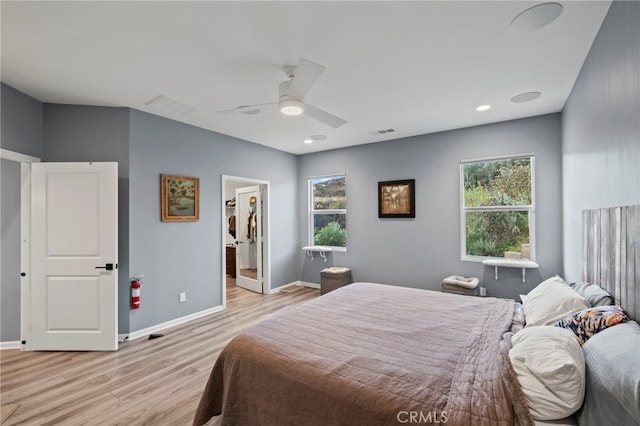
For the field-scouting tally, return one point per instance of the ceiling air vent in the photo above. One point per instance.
(382, 132)
(166, 105)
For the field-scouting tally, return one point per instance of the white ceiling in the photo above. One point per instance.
(416, 67)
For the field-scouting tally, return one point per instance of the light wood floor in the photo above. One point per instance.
(145, 382)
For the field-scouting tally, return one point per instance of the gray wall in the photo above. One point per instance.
(187, 257)
(84, 133)
(10, 260)
(21, 124)
(601, 129)
(175, 257)
(420, 252)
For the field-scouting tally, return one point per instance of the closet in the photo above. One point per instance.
(245, 233)
(242, 215)
(230, 247)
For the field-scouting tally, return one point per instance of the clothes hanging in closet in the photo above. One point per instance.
(232, 225)
(252, 226)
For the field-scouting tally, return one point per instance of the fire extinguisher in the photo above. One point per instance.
(135, 293)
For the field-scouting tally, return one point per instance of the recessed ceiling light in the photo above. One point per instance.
(308, 141)
(483, 108)
(525, 97)
(537, 17)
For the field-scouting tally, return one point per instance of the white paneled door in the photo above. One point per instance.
(74, 278)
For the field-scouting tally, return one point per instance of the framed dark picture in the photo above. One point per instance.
(180, 197)
(397, 199)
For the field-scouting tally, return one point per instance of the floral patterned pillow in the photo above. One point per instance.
(590, 321)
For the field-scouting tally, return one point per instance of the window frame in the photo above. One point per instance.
(528, 208)
(312, 212)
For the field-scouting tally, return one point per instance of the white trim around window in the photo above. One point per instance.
(312, 212)
(528, 208)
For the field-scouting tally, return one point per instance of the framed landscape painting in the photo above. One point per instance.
(396, 199)
(180, 198)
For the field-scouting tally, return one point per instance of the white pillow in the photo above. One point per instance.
(550, 367)
(551, 301)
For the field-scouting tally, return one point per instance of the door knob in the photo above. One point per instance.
(107, 266)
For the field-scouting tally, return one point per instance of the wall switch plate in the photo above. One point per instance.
(183, 297)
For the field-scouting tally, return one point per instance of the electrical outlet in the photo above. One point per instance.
(183, 297)
(483, 291)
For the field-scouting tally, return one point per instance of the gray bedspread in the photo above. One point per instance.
(371, 354)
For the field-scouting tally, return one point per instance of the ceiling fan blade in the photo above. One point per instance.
(305, 76)
(246, 109)
(323, 116)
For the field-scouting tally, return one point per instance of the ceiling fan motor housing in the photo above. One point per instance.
(289, 105)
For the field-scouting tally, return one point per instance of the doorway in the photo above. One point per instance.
(16, 293)
(51, 318)
(245, 235)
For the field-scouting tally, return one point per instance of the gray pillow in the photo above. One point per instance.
(612, 394)
(596, 295)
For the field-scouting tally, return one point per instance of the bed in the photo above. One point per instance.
(372, 354)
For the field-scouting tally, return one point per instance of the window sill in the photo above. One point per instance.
(511, 263)
(483, 259)
(317, 248)
(340, 249)
(322, 250)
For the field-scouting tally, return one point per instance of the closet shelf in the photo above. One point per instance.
(511, 263)
(320, 249)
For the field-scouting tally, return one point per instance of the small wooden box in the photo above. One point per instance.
(448, 288)
(334, 277)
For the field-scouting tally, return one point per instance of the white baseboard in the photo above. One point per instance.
(310, 285)
(162, 326)
(302, 283)
(10, 345)
(140, 333)
(277, 289)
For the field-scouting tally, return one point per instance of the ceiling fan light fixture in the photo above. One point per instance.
(291, 107)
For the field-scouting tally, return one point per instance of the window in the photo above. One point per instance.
(497, 214)
(328, 211)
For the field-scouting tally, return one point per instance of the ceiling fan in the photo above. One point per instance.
(292, 93)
